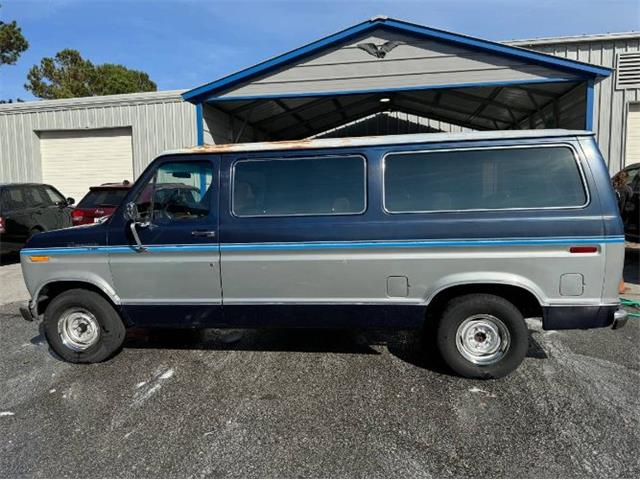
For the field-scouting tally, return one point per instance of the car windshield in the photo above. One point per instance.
(102, 198)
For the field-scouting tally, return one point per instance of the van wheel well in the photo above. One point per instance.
(521, 298)
(52, 290)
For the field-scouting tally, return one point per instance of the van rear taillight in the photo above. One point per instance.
(3, 228)
(585, 249)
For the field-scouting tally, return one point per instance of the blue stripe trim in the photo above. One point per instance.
(214, 99)
(329, 245)
(580, 68)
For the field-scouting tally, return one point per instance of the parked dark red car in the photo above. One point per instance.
(101, 201)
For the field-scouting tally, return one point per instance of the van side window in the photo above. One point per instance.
(500, 178)
(299, 186)
(177, 191)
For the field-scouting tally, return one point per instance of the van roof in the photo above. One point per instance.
(380, 140)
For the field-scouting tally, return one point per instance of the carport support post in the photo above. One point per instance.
(199, 125)
(588, 115)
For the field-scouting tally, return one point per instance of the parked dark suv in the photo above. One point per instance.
(27, 209)
(631, 211)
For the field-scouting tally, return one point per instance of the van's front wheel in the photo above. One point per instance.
(482, 336)
(82, 327)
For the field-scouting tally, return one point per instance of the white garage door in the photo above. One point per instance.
(74, 160)
(633, 135)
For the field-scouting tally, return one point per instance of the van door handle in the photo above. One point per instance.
(204, 233)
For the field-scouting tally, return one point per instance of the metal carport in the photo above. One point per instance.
(388, 66)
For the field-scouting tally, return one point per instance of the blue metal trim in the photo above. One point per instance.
(199, 125)
(391, 90)
(579, 68)
(588, 123)
(329, 245)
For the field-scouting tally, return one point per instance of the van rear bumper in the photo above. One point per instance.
(583, 317)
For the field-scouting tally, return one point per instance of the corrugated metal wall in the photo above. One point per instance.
(610, 104)
(219, 127)
(159, 121)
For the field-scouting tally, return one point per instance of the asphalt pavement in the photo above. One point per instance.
(285, 403)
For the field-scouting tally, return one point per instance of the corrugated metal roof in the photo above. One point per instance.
(83, 102)
(380, 140)
(595, 37)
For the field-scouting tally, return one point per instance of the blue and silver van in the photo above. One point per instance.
(466, 234)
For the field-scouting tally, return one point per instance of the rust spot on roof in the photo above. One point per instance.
(376, 140)
(230, 147)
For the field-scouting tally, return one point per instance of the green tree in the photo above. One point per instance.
(68, 75)
(12, 43)
(112, 79)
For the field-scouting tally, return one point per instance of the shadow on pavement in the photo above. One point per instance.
(408, 346)
(9, 259)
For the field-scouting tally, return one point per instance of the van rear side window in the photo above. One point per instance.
(483, 179)
(299, 186)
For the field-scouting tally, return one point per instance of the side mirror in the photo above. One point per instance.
(131, 212)
(70, 201)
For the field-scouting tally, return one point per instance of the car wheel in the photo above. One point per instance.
(81, 326)
(34, 231)
(482, 336)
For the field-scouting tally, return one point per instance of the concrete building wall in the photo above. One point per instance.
(158, 121)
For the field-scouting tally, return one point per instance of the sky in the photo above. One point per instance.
(185, 43)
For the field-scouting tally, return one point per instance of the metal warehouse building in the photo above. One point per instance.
(382, 76)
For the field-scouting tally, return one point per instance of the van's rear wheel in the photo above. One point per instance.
(482, 336)
(82, 327)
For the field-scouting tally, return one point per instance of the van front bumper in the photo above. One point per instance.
(583, 317)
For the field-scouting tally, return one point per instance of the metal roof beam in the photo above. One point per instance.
(485, 103)
(542, 93)
(342, 109)
(551, 103)
(444, 106)
(435, 116)
(476, 98)
(284, 135)
(338, 106)
(242, 119)
(298, 109)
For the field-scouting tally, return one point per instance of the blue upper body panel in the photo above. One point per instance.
(599, 218)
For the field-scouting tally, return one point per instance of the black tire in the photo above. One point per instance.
(462, 308)
(111, 329)
(34, 231)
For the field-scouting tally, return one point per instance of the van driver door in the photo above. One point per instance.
(174, 271)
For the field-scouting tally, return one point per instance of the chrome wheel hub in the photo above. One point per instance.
(483, 339)
(78, 329)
